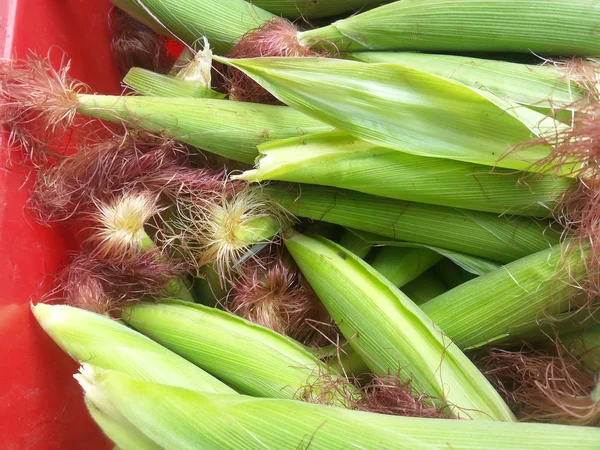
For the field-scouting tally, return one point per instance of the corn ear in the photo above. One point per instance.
(481, 234)
(557, 27)
(390, 105)
(511, 301)
(402, 265)
(223, 22)
(146, 82)
(249, 357)
(182, 419)
(120, 430)
(229, 129)
(339, 160)
(90, 337)
(390, 333)
(424, 288)
(546, 87)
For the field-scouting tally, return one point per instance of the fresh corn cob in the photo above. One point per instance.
(511, 301)
(90, 337)
(230, 129)
(253, 359)
(556, 27)
(223, 22)
(390, 105)
(339, 160)
(485, 235)
(181, 419)
(34, 89)
(390, 333)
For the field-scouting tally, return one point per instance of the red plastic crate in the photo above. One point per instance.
(41, 405)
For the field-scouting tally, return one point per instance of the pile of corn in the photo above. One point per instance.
(374, 232)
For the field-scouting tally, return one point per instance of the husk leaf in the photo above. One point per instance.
(390, 332)
(177, 418)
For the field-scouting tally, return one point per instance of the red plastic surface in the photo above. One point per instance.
(41, 405)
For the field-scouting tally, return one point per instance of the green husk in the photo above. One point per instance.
(390, 105)
(223, 22)
(512, 301)
(253, 359)
(181, 419)
(424, 288)
(585, 345)
(146, 82)
(390, 333)
(402, 265)
(90, 337)
(354, 243)
(177, 287)
(311, 9)
(229, 129)
(546, 87)
(481, 234)
(556, 27)
(120, 430)
(452, 274)
(210, 288)
(339, 160)
(346, 360)
(472, 264)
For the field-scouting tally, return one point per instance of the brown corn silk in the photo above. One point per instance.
(546, 387)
